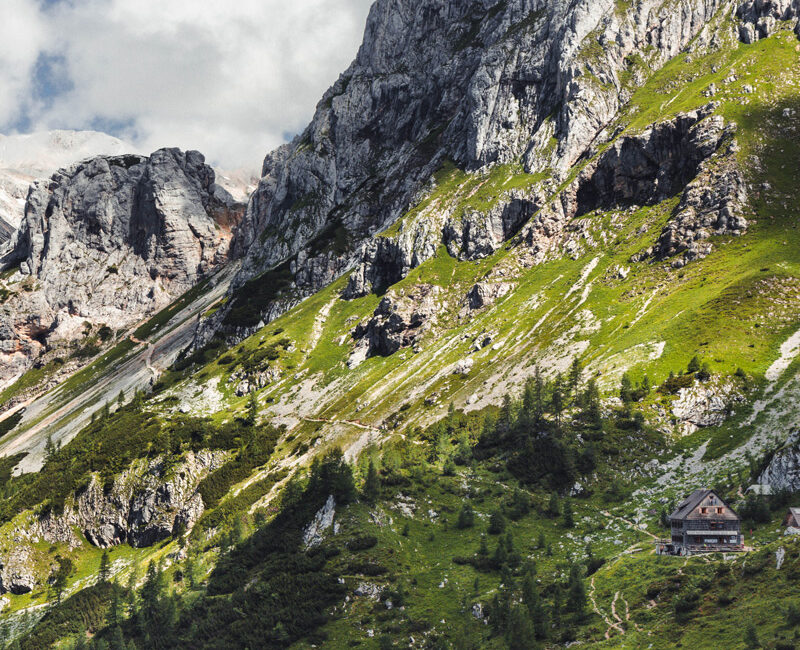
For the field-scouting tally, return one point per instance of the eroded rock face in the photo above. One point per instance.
(760, 17)
(107, 242)
(17, 575)
(477, 83)
(704, 405)
(398, 321)
(145, 505)
(694, 152)
(712, 204)
(783, 471)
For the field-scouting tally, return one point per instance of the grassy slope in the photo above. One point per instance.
(734, 308)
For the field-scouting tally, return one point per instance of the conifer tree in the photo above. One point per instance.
(372, 484)
(625, 389)
(105, 569)
(569, 521)
(554, 507)
(252, 410)
(576, 592)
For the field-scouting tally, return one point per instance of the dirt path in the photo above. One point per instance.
(352, 423)
(612, 625)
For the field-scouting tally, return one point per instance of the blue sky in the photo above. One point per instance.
(232, 79)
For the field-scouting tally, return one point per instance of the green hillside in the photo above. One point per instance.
(512, 503)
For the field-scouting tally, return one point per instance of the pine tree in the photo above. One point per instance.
(694, 365)
(576, 592)
(591, 405)
(466, 517)
(115, 609)
(372, 484)
(105, 570)
(189, 571)
(554, 507)
(558, 604)
(533, 601)
(117, 640)
(575, 376)
(497, 523)
(121, 398)
(625, 389)
(569, 522)
(751, 636)
(557, 400)
(542, 542)
(519, 629)
(49, 448)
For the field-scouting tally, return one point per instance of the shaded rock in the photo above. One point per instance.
(783, 470)
(484, 294)
(636, 170)
(712, 204)
(398, 321)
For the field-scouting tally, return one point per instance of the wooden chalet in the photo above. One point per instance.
(703, 523)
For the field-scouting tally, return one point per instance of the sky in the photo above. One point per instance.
(231, 78)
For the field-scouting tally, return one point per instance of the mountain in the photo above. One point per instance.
(24, 158)
(529, 278)
(104, 243)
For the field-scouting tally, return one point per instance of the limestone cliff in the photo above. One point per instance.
(480, 83)
(107, 242)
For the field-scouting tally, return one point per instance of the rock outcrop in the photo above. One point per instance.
(476, 83)
(712, 204)
(145, 505)
(107, 242)
(399, 321)
(693, 153)
(323, 520)
(783, 470)
(704, 404)
(484, 294)
(760, 17)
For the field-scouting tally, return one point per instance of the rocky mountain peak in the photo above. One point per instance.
(108, 241)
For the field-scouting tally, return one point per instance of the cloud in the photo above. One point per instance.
(23, 35)
(229, 79)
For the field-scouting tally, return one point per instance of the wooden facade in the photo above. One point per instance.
(703, 523)
(792, 518)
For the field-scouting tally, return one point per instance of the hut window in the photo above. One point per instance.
(720, 511)
(703, 511)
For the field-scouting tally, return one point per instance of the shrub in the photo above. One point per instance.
(362, 543)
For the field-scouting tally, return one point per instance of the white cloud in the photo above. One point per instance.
(23, 34)
(227, 78)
